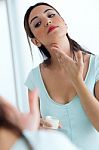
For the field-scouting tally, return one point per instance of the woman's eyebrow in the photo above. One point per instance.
(37, 16)
(47, 10)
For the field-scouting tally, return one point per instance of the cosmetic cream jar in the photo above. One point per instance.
(53, 121)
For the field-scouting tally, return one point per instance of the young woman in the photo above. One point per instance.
(18, 131)
(68, 79)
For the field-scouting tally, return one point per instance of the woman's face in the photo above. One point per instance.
(46, 24)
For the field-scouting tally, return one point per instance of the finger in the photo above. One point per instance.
(79, 57)
(63, 57)
(33, 101)
(54, 45)
(60, 125)
(45, 123)
(54, 50)
(41, 121)
(57, 52)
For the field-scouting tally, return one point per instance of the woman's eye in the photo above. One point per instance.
(51, 15)
(37, 24)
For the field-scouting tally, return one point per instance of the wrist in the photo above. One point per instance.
(77, 82)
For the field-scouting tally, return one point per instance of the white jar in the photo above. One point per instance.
(53, 121)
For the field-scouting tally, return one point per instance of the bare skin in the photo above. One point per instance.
(54, 82)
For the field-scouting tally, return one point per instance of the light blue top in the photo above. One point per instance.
(44, 140)
(75, 123)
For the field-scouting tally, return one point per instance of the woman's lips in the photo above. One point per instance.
(51, 28)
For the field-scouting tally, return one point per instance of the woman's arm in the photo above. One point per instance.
(89, 102)
(44, 124)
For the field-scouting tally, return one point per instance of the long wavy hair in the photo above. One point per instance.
(74, 46)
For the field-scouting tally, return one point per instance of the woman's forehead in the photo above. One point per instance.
(39, 10)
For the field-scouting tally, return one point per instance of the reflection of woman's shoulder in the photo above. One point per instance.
(49, 140)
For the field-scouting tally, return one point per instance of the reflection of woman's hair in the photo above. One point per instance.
(7, 124)
(74, 46)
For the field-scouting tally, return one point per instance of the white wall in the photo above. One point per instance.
(7, 86)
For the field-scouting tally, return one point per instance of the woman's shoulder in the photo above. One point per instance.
(91, 59)
(35, 69)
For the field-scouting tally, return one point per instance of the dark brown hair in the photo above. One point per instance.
(74, 46)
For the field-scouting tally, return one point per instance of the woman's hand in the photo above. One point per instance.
(45, 124)
(29, 120)
(72, 68)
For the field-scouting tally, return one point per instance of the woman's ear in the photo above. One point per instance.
(36, 42)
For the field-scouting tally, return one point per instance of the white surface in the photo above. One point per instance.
(7, 86)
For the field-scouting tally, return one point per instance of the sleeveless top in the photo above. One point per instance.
(75, 123)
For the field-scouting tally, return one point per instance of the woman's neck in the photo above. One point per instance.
(64, 46)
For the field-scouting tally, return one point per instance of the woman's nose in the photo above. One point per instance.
(48, 22)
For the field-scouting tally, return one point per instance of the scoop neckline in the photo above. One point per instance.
(75, 97)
